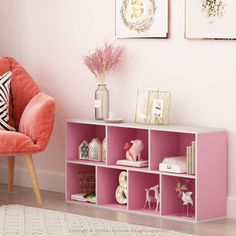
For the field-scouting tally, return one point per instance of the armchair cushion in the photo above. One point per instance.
(37, 120)
(15, 143)
(4, 101)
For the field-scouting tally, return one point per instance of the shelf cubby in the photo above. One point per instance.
(77, 133)
(164, 144)
(107, 182)
(73, 184)
(137, 182)
(172, 205)
(118, 136)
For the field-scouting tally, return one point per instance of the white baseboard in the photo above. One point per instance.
(47, 181)
(231, 207)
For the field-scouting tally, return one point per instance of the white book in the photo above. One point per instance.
(189, 158)
(125, 162)
(79, 197)
(193, 158)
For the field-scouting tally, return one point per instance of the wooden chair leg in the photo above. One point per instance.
(10, 164)
(31, 170)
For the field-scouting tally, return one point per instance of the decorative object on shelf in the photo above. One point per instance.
(149, 201)
(190, 159)
(84, 150)
(95, 150)
(101, 102)
(142, 18)
(121, 190)
(133, 154)
(176, 164)
(101, 62)
(87, 182)
(181, 186)
(134, 150)
(156, 196)
(152, 107)
(186, 198)
(152, 201)
(104, 149)
(210, 19)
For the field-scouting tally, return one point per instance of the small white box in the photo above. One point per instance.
(172, 168)
(175, 164)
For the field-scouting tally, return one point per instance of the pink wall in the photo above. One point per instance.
(49, 38)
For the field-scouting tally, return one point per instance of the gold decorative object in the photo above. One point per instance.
(87, 182)
(152, 107)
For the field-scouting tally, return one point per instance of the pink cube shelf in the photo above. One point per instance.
(77, 133)
(209, 184)
(137, 183)
(164, 144)
(172, 205)
(73, 184)
(117, 137)
(107, 182)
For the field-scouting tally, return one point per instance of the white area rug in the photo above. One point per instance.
(28, 221)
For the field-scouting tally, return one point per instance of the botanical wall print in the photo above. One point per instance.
(210, 19)
(142, 18)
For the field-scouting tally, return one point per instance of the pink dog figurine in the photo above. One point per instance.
(134, 149)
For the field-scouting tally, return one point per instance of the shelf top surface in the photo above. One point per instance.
(170, 128)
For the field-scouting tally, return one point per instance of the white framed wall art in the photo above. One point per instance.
(210, 19)
(142, 18)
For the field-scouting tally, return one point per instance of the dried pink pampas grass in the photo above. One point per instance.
(103, 60)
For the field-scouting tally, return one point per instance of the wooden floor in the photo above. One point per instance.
(56, 201)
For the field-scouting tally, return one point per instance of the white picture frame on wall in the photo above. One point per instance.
(207, 19)
(142, 19)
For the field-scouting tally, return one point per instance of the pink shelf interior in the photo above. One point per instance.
(118, 136)
(107, 182)
(171, 204)
(73, 184)
(116, 206)
(164, 144)
(137, 182)
(76, 133)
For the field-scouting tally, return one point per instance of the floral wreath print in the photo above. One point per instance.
(138, 15)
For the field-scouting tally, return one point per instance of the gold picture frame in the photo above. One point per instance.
(152, 107)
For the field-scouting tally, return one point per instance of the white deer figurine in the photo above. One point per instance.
(149, 199)
(156, 195)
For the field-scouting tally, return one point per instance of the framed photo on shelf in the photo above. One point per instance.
(152, 107)
(142, 18)
(210, 19)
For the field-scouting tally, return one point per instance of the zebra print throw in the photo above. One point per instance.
(4, 101)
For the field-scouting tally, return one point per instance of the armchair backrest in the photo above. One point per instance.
(23, 89)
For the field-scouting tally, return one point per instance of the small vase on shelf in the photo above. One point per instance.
(101, 102)
(101, 63)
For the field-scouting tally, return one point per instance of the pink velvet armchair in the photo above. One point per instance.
(31, 113)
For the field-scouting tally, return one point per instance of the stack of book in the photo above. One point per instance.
(190, 154)
(83, 197)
